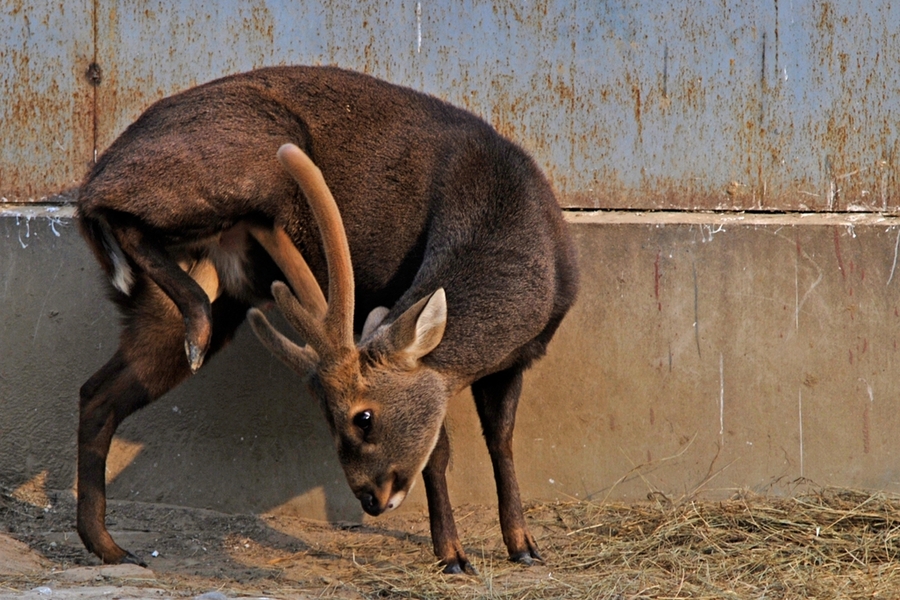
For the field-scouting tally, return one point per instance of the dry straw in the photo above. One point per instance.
(831, 543)
(826, 543)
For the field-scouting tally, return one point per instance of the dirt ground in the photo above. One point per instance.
(190, 552)
(816, 543)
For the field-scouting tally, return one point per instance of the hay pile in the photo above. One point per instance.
(825, 544)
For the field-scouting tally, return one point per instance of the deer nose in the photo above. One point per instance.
(370, 504)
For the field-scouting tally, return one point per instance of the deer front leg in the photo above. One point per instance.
(496, 399)
(447, 546)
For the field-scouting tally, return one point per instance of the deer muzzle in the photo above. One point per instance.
(384, 499)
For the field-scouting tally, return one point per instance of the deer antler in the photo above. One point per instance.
(285, 254)
(328, 334)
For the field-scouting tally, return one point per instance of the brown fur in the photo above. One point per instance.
(431, 197)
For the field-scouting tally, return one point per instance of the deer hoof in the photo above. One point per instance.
(131, 559)
(195, 356)
(453, 569)
(527, 558)
(459, 567)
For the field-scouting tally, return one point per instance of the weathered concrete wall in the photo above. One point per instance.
(706, 352)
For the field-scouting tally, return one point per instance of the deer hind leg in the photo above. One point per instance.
(148, 363)
(496, 399)
(106, 398)
(447, 546)
(188, 295)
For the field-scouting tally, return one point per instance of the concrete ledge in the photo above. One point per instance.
(630, 217)
(706, 353)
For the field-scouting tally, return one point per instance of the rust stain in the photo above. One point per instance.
(867, 445)
(43, 113)
(656, 278)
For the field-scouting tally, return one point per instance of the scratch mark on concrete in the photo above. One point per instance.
(837, 251)
(806, 295)
(797, 287)
(44, 303)
(867, 438)
(800, 301)
(696, 309)
(894, 266)
(722, 399)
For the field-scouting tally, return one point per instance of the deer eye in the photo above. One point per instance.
(363, 421)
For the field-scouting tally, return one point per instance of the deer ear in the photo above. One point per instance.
(373, 321)
(419, 330)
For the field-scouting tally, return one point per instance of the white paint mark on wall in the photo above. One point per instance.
(27, 230)
(696, 309)
(54, 221)
(55, 216)
(418, 27)
(796, 293)
(707, 232)
(869, 390)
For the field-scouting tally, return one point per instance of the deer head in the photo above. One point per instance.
(383, 404)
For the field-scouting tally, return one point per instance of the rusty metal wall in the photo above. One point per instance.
(654, 105)
(46, 110)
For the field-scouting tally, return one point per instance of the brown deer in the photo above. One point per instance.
(450, 225)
